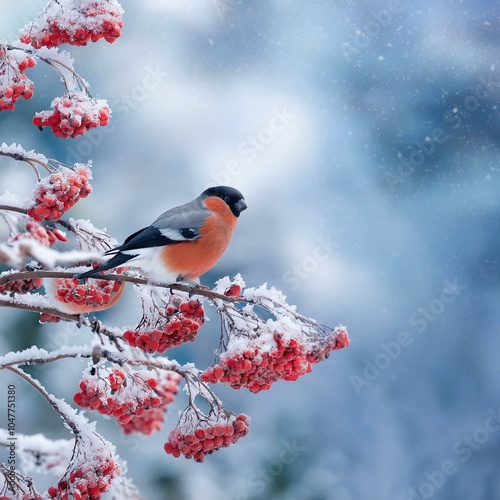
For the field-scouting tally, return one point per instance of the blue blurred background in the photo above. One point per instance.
(365, 137)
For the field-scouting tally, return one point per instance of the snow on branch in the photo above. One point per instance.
(15, 254)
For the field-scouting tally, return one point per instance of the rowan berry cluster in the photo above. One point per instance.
(169, 326)
(256, 363)
(321, 349)
(197, 435)
(47, 236)
(76, 22)
(14, 84)
(91, 295)
(152, 420)
(119, 394)
(73, 114)
(21, 286)
(60, 191)
(88, 477)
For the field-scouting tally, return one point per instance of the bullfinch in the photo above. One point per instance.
(184, 242)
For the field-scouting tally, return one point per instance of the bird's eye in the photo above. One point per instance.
(227, 199)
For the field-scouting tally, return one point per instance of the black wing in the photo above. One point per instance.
(148, 237)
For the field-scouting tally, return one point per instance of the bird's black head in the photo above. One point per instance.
(231, 196)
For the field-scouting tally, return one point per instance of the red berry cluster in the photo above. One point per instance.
(48, 318)
(194, 437)
(118, 394)
(88, 478)
(21, 286)
(73, 114)
(76, 22)
(60, 191)
(320, 350)
(93, 293)
(13, 82)
(152, 420)
(171, 326)
(44, 235)
(259, 362)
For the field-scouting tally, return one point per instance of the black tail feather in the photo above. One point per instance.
(115, 261)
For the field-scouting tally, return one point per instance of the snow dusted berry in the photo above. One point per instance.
(320, 350)
(73, 114)
(168, 326)
(152, 420)
(60, 191)
(13, 82)
(197, 435)
(119, 394)
(76, 22)
(279, 351)
(89, 475)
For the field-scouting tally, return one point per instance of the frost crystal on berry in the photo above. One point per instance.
(14, 84)
(73, 114)
(128, 394)
(60, 191)
(90, 473)
(197, 435)
(76, 22)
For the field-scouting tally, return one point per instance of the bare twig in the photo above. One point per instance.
(10, 208)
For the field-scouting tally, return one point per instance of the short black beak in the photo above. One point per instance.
(240, 205)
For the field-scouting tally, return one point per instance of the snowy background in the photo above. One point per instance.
(365, 137)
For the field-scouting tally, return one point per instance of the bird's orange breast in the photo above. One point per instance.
(191, 259)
